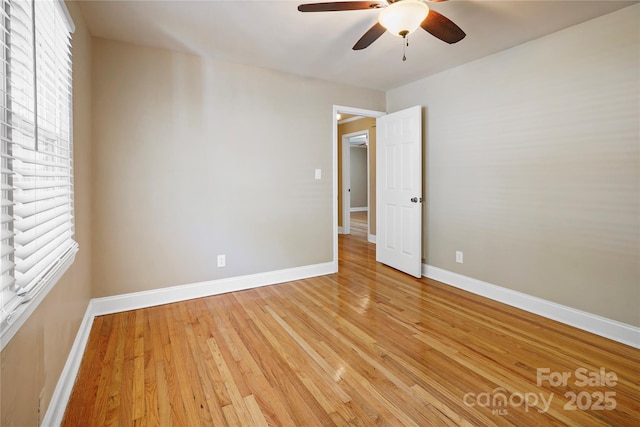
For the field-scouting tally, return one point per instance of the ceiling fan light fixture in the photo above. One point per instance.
(403, 17)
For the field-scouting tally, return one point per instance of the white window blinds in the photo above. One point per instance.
(37, 179)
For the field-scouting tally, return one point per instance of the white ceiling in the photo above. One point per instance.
(273, 34)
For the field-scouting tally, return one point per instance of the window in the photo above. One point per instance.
(37, 158)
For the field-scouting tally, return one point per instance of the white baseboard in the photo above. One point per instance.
(360, 209)
(136, 300)
(372, 238)
(340, 230)
(64, 387)
(608, 328)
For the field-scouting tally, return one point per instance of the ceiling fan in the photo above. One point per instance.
(399, 17)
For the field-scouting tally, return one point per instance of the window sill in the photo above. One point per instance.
(23, 313)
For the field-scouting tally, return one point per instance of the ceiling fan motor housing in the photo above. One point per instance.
(403, 17)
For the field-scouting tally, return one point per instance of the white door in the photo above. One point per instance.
(399, 190)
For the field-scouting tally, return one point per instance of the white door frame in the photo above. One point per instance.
(339, 109)
(346, 179)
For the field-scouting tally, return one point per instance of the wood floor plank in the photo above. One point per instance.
(128, 378)
(94, 354)
(285, 349)
(249, 365)
(139, 368)
(105, 367)
(366, 346)
(115, 390)
(237, 401)
(204, 361)
(159, 405)
(188, 382)
(257, 417)
(150, 395)
(178, 412)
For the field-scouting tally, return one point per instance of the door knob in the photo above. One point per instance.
(416, 200)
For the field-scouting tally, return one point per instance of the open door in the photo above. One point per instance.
(399, 190)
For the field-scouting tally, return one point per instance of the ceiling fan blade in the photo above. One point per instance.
(339, 6)
(370, 36)
(442, 27)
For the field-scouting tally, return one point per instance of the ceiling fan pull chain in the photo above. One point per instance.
(405, 43)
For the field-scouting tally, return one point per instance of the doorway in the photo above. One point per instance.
(338, 208)
(355, 177)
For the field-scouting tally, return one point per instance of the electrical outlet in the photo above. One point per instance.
(459, 257)
(222, 261)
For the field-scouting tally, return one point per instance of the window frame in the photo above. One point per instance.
(57, 267)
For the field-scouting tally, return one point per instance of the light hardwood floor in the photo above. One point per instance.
(365, 346)
(359, 225)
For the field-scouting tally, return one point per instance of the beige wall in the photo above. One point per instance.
(358, 160)
(195, 158)
(32, 361)
(367, 123)
(533, 166)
